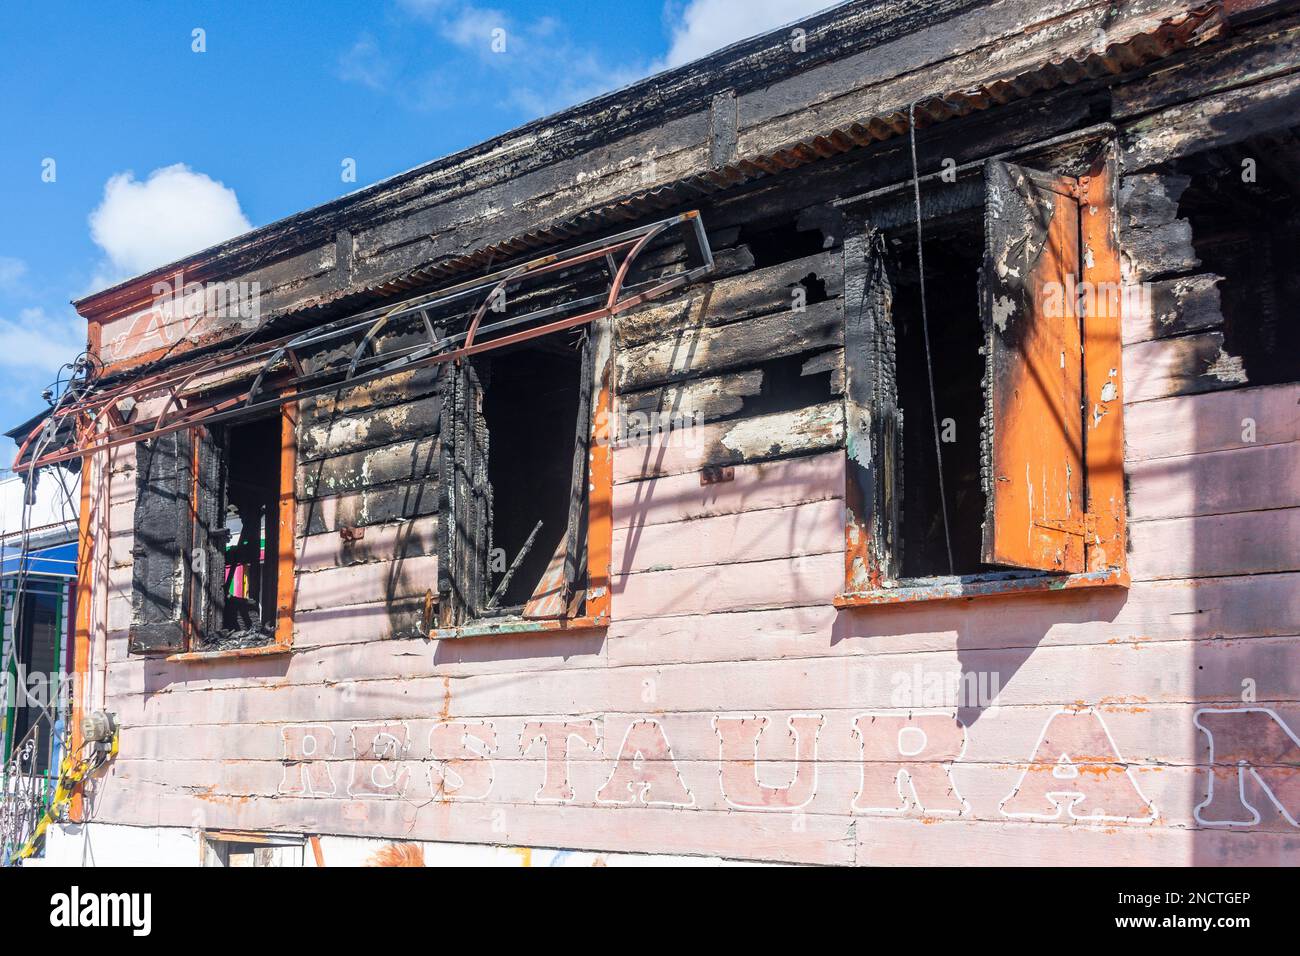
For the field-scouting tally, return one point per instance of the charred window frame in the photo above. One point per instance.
(526, 484)
(1235, 272)
(213, 538)
(1024, 295)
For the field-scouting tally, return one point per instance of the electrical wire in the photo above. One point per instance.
(81, 375)
(925, 331)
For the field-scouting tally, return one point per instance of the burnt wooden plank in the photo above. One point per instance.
(754, 293)
(1162, 251)
(1174, 307)
(699, 400)
(369, 429)
(873, 422)
(1154, 240)
(399, 387)
(1249, 55)
(1184, 365)
(413, 460)
(735, 345)
(831, 361)
(464, 497)
(1149, 200)
(396, 502)
(1212, 121)
(758, 438)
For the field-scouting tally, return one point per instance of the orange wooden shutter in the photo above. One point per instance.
(1033, 442)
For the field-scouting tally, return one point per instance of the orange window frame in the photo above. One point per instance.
(286, 517)
(597, 607)
(1105, 550)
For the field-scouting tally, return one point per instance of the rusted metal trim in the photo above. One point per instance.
(87, 415)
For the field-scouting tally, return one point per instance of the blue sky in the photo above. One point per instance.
(122, 148)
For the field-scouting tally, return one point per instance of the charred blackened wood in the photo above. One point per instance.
(210, 536)
(1177, 306)
(873, 421)
(400, 501)
(811, 328)
(696, 400)
(411, 460)
(464, 498)
(758, 438)
(370, 429)
(575, 528)
(802, 281)
(162, 532)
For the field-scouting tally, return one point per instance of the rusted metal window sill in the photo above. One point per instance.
(954, 589)
(233, 652)
(517, 625)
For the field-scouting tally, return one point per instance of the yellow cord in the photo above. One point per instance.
(71, 776)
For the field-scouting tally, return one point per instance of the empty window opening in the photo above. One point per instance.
(1242, 204)
(774, 244)
(531, 398)
(814, 288)
(244, 541)
(952, 264)
(786, 387)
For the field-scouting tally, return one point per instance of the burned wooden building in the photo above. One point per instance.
(873, 443)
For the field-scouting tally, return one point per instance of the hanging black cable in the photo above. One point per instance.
(925, 331)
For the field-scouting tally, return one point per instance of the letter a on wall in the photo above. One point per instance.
(1076, 772)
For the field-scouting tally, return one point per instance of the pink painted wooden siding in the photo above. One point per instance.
(725, 645)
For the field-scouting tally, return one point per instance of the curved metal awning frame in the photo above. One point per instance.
(103, 421)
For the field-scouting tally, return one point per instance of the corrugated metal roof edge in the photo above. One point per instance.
(1169, 36)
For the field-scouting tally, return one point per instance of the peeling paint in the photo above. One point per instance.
(1228, 368)
(1003, 310)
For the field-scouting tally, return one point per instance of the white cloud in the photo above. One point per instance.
(39, 343)
(708, 25)
(542, 69)
(11, 270)
(365, 64)
(173, 213)
(470, 27)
